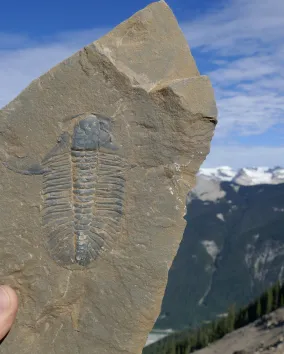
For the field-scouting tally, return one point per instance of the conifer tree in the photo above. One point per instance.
(246, 317)
(269, 301)
(221, 328)
(171, 346)
(231, 319)
(193, 340)
(258, 309)
(276, 295)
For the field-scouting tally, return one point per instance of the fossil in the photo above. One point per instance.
(82, 193)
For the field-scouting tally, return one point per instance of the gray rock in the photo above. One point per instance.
(97, 157)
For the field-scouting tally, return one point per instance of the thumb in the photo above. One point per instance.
(8, 309)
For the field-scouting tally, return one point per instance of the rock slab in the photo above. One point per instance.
(97, 157)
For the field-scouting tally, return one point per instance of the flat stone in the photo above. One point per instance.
(97, 157)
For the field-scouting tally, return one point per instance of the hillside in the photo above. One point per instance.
(264, 336)
(233, 245)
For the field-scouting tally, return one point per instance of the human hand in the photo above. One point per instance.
(8, 309)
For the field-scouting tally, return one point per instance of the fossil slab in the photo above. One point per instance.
(97, 157)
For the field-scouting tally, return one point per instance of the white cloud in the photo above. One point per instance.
(238, 156)
(249, 114)
(245, 39)
(244, 24)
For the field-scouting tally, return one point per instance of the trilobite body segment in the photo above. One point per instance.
(83, 193)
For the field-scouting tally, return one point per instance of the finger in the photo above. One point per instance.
(8, 309)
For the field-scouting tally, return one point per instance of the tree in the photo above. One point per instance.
(258, 309)
(276, 296)
(212, 329)
(231, 318)
(193, 341)
(202, 338)
(171, 348)
(221, 328)
(269, 301)
(246, 316)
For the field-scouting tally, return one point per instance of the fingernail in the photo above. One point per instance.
(4, 300)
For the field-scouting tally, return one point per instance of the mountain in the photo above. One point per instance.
(263, 336)
(245, 176)
(233, 245)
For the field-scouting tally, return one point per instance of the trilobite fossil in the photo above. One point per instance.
(82, 193)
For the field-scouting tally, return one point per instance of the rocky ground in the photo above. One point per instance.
(265, 336)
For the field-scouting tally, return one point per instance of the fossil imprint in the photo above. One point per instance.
(83, 192)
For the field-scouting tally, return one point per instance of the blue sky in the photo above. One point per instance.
(238, 43)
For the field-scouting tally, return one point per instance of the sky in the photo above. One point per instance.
(237, 43)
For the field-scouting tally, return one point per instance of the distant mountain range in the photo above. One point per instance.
(245, 176)
(233, 245)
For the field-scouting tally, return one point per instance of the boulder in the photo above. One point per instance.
(97, 157)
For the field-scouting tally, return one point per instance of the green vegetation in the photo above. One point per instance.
(188, 341)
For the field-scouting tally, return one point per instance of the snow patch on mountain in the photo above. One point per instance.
(206, 189)
(224, 173)
(211, 248)
(156, 335)
(244, 176)
(220, 216)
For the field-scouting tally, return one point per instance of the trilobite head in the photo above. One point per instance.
(86, 134)
(106, 139)
(93, 132)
